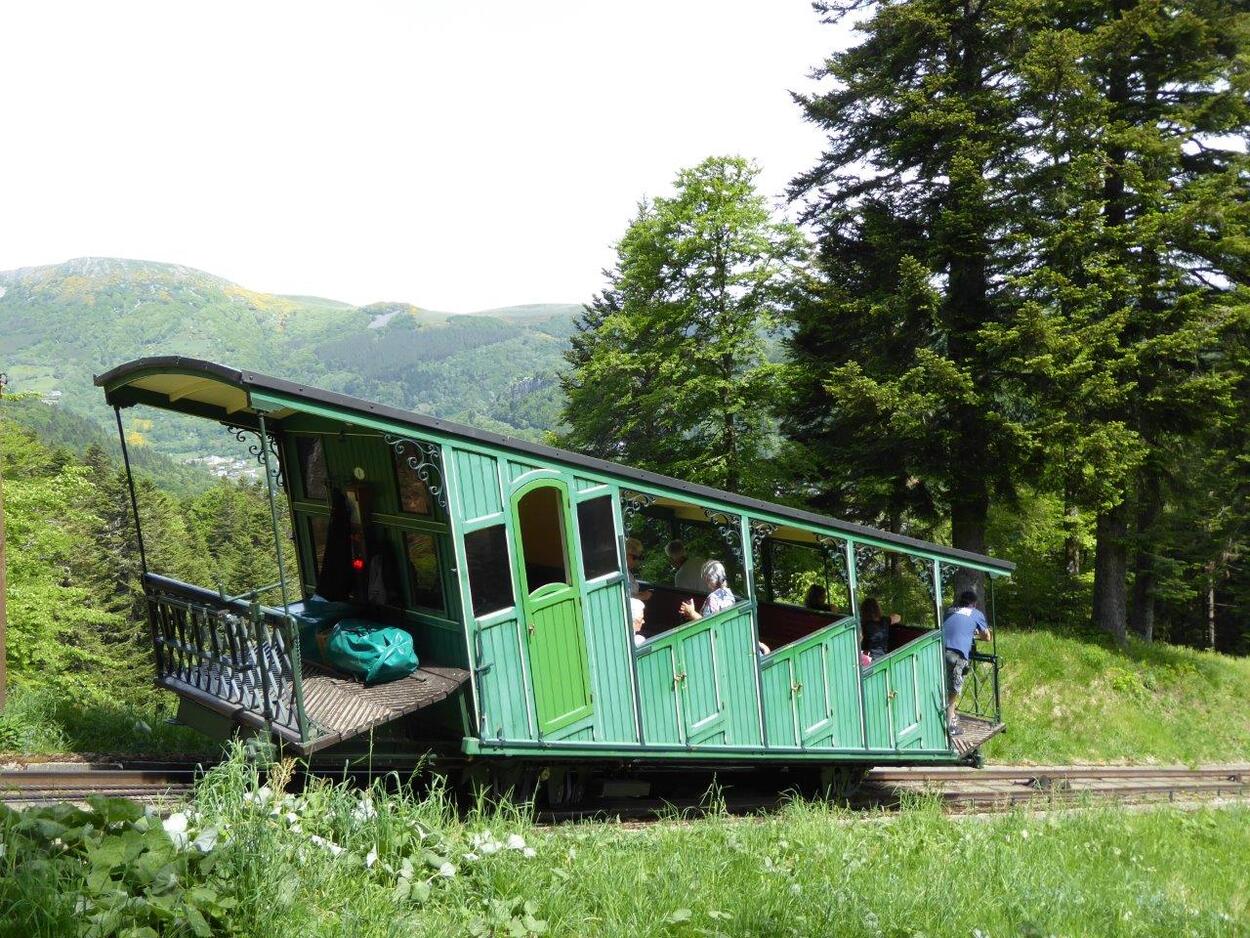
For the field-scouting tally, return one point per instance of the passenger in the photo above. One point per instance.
(633, 556)
(719, 597)
(965, 623)
(817, 598)
(639, 611)
(876, 628)
(687, 570)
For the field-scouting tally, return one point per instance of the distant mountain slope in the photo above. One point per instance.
(61, 324)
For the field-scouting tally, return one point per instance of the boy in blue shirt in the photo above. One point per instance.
(965, 623)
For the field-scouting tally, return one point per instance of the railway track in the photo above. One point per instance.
(960, 789)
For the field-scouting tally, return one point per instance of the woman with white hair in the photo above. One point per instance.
(638, 611)
(719, 597)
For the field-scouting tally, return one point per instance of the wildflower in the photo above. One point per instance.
(1024, 834)
(176, 827)
(447, 870)
(206, 841)
(371, 858)
(364, 811)
(292, 817)
(795, 889)
(529, 853)
(515, 842)
(470, 857)
(334, 848)
(485, 843)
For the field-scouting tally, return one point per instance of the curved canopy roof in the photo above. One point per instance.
(230, 395)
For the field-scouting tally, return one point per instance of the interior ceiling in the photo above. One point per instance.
(201, 390)
(688, 512)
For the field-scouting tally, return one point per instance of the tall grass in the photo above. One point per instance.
(338, 862)
(1080, 698)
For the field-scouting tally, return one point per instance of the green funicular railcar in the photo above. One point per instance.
(507, 562)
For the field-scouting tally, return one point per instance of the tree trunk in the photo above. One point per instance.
(1071, 527)
(1211, 609)
(1111, 572)
(1143, 614)
(970, 506)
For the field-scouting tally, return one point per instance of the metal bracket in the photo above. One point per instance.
(257, 449)
(631, 504)
(728, 526)
(427, 463)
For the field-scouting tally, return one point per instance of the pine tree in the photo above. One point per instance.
(671, 368)
(896, 393)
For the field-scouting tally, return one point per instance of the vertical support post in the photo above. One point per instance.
(291, 638)
(748, 572)
(262, 662)
(998, 713)
(130, 483)
(937, 592)
(937, 611)
(852, 579)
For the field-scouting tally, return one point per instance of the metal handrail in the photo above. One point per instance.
(196, 630)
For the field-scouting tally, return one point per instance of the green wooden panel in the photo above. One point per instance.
(502, 693)
(611, 656)
(929, 679)
(878, 729)
(737, 658)
(702, 703)
(581, 484)
(814, 706)
(558, 662)
(477, 485)
(844, 676)
(904, 711)
(516, 469)
(658, 695)
(777, 679)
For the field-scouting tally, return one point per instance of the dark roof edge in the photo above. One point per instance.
(260, 382)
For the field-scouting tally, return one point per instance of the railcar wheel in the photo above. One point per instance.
(837, 783)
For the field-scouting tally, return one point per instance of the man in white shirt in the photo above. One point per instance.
(687, 571)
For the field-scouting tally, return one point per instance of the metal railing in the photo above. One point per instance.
(231, 654)
(982, 686)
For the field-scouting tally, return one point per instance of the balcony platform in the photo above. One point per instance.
(977, 731)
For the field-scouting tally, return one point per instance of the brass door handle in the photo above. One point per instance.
(679, 677)
(531, 628)
(891, 695)
(796, 687)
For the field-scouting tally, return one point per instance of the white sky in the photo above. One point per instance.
(459, 154)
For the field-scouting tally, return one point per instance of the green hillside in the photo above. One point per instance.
(63, 323)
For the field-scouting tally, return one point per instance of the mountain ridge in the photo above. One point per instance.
(60, 324)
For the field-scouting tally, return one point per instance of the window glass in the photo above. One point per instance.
(421, 552)
(318, 528)
(490, 577)
(312, 467)
(598, 537)
(414, 494)
(542, 537)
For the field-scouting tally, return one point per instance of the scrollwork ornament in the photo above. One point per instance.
(728, 526)
(760, 531)
(631, 504)
(426, 461)
(834, 549)
(256, 448)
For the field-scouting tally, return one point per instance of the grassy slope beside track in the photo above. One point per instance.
(335, 861)
(1080, 699)
(1065, 699)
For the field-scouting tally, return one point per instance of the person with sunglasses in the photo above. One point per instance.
(633, 557)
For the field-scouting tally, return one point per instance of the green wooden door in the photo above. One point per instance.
(702, 702)
(812, 699)
(904, 703)
(551, 604)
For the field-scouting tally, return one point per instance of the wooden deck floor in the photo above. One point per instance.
(341, 708)
(976, 732)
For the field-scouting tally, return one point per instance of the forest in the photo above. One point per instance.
(1014, 315)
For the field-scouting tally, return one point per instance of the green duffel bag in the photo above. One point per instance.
(372, 652)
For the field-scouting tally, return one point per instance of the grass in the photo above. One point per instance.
(1066, 699)
(1081, 699)
(338, 862)
(40, 721)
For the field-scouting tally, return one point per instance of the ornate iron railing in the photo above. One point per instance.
(229, 654)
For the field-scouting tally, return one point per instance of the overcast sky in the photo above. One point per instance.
(457, 155)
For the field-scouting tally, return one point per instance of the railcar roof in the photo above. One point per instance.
(219, 392)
